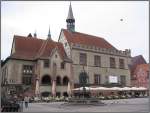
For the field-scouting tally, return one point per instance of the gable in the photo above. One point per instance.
(62, 39)
(34, 48)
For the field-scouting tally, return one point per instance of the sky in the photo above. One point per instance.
(124, 24)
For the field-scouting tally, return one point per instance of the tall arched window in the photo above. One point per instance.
(58, 80)
(65, 80)
(46, 80)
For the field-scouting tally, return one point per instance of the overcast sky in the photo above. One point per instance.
(125, 24)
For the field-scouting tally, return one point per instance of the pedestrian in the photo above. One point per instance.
(26, 100)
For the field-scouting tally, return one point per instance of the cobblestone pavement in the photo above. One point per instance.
(122, 105)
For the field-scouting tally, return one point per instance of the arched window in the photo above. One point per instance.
(58, 80)
(46, 80)
(65, 80)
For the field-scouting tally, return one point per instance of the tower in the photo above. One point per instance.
(49, 34)
(35, 35)
(70, 20)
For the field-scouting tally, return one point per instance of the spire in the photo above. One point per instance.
(70, 20)
(35, 35)
(70, 13)
(49, 34)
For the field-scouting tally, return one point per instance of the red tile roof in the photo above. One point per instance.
(29, 48)
(85, 39)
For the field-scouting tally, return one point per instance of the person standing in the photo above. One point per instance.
(26, 100)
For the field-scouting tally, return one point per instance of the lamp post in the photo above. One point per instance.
(84, 80)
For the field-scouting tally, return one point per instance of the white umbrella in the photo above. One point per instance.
(69, 89)
(81, 88)
(37, 88)
(54, 88)
(102, 88)
(134, 88)
(116, 88)
(142, 88)
(126, 89)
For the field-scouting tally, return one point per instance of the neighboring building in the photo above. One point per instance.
(141, 76)
(53, 66)
(135, 61)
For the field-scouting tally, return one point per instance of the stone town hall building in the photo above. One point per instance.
(50, 67)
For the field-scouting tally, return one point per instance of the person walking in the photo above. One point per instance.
(26, 100)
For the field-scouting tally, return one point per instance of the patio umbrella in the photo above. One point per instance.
(134, 88)
(142, 88)
(126, 89)
(81, 88)
(69, 89)
(54, 88)
(115, 88)
(37, 88)
(102, 89)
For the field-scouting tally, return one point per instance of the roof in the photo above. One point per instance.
(29, 48)
(135, 61)
(85, 39)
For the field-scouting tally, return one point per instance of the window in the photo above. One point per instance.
(27, 80)
(97, 79)
(112, 62)
(46, 63)
(63, 65)
(123, 80)
(97, 60)
(121, 63)
(27, 69)
(83, 59)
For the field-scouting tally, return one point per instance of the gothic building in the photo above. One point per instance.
(45, 67)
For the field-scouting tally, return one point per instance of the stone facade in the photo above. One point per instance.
(74, 50)
(34, 60)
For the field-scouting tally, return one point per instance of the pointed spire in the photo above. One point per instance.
(49, 33)
(70, 20)
(70, 13)
(35, 35)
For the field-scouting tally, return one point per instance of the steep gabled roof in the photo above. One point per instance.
(85, 39)
(33, 48)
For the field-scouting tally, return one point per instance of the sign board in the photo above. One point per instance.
(113, 79)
